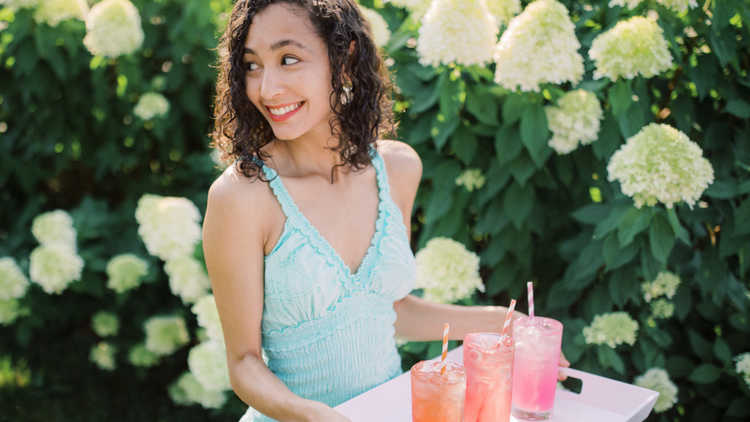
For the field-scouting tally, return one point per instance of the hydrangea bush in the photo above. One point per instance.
(648, 271)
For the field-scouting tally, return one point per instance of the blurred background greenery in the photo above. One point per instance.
(71, 140)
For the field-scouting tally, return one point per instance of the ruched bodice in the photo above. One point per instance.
(328, 333)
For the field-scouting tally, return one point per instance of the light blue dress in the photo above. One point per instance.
(328, 333)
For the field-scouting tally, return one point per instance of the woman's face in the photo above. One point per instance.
(288, 75)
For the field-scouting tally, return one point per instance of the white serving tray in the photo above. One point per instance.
(601, 400)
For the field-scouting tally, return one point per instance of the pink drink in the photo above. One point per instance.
(488, 359)
(535, 367)
(436, 397)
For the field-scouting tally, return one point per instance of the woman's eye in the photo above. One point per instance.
(251, 66)
(288, 60)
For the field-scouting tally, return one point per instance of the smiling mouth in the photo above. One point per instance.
(280, 111)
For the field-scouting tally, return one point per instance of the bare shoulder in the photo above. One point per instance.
(236, 196)
(401, 160)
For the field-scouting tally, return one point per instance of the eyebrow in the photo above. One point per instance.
(278, 45)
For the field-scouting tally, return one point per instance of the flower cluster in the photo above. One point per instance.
(150, 105)
(417, 8)
(679, 6)
(187, 390)
(9, 311)
(165, 334)
(575, 118)
(657, 379)
(457, 31)
(447, 271)
(662, 309)
(634, 46)
(103, 355)
(471, 179)
(13, 283)
(504, 10)
(54, 267)
(125, 272)
(208, 362)
(539, 46)
(105, 324)
(140, 356)
(54, 227)
(113, 28)
(208, 317)
(380, 30)
(743, 366)
(630, 4)
(665, 284)
(168, 226)
(20, 4)
(52, 12)
(612, 328)
(661, 164)
(187, 278)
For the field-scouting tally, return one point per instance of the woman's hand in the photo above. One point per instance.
(319, 412)
(564, 363)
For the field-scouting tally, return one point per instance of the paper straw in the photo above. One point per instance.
(530, 286)
(446, 328)
(509, 316)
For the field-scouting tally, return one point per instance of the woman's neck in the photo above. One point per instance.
(308, 158)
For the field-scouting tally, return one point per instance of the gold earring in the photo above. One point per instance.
(347, 95)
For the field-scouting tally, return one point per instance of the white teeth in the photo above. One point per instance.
(283, 110)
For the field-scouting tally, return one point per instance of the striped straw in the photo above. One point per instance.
(446, 328)
(530, 287)
(509, 316)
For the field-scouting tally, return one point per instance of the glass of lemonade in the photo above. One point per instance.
(535, 366)
(488, 359)
(437, 397)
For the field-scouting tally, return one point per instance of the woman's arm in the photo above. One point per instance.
(234, 235)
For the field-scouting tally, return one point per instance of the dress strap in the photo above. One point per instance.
(382, 177)
(282, 195)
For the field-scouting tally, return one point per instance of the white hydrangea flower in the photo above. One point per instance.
(113, 28)
(661, 164)
(208, 317)
(611, 328)
(633, 47)
(9, 311)
(168, 226)
(20, 4)
(630, 4)
(471, 179)
(187, 390)
(379, 26)
(52, 12)
(457, 31)
(657, 379)
(743, 366)
(140, 356)
(13, 283)
(54, 227)
(665, 284)
(679, 6)
(150, 105)
(417, 8)
(504, 10)
(165, 334)
(447, 271)
(125, 272)
(539, 46)
(105, 324)
(662, 309)
(187, 278)
(208, 362)
(575, 118)
(103, 355)
(54, 267)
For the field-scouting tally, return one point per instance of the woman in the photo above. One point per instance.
(306, 236)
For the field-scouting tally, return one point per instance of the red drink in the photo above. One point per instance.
(488, 359)
(436, 397)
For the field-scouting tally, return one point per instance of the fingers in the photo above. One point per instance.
(561, 376)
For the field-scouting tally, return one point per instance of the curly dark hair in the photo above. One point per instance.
(241, 131)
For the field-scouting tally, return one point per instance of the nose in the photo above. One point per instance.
(272, 83)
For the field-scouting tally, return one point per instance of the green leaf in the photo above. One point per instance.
(518, 202)
(592, 213)
(534, 133)
(608, 358)
(494, 253)
(679, 366)
(661, 238)
(739, 408)
(722, 351)
(611, 222)
(493, 220)
(705, 374)
(631, 121)
(739, 108)
(508, 143)
(513, 107)
(452, 95)
(482, 104)
(723, 44)
(428, 96)
(649, 265)
(702, 348)
(444, 184)
(742, 219)
(683, 302)
(624, 285)
(580, 273)
(682, 233)
(620, 97)
(522, 168)
(609, 140)
(443, 127)
(464, 144)
(633, 222)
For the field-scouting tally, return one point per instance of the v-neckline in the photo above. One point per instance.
(314, 234)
